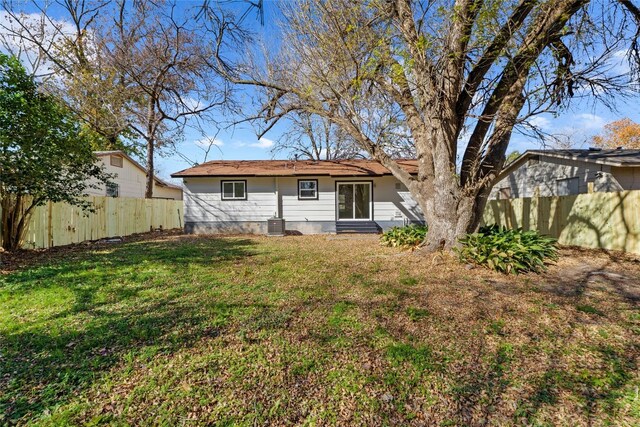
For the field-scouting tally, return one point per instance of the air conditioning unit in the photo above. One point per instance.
(275, 227)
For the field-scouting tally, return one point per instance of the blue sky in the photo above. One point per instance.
(581, 121)
(578, 123)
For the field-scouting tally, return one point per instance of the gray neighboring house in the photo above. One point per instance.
(566, 172)
(311, 197)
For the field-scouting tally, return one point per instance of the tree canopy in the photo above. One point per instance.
(44, 154)
(624, 133)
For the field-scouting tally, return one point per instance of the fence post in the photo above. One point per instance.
(50, 224)
(534, 213)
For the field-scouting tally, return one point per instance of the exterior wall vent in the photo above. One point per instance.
(275, 227)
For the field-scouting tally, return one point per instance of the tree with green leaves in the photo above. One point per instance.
(456, 77)
(44, 153)
(511, 157)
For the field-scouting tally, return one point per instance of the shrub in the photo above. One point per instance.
(508, 251)
(408, 236)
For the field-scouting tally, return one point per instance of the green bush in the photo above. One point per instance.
(508, 251)
(409, 236)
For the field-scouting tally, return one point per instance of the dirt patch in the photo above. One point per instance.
(23, 258)
(588, 272)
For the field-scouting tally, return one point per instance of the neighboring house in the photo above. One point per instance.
(130, 179)
(311, 196)
(566, 172)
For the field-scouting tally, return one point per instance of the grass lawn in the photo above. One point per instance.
(314, 330)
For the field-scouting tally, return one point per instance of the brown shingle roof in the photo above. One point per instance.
(292, 168)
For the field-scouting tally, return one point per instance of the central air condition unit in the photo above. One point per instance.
(275, 227)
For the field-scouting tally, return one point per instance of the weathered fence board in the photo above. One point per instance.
(593, 220)
(57, 224)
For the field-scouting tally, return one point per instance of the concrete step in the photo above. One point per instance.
(357, 227)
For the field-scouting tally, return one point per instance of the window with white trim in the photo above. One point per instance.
(308, 189)
(113, 189)
(234, 190)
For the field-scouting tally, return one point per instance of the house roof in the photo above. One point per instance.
(615, 157)
(136, 164)
(338, 168)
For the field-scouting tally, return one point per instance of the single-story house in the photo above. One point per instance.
(565, 172)
(130, 179)
(311, 197)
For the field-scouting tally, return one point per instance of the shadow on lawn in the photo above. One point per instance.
(483, 383)
(484, 380)
(43, 367)
(575, 282)
(145, 315)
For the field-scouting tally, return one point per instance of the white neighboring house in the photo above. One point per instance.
(130, 179)
(312, 197)
(547, 173)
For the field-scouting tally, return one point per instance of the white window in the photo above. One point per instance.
(234, 190)
(113, 189)
(308, 189)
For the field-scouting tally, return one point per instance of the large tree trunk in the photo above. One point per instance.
(450, 217)
(150, 170)
(15, 219)
(151, 144)
(449, 210)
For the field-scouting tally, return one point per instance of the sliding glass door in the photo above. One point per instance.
(354, 200)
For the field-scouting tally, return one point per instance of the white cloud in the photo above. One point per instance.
(192, 103)
(208, 141)
(589, 122)
(540, 122)
(620, 62)
(50, 31)
(262, 143)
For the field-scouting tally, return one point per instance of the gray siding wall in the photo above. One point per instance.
(322, 209)
(205, 211)
(550, 176)
(393, 202)
(628, 178)
(203, 201)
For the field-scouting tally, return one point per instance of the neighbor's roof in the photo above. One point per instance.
(293, 168)
(138, 165)
(615, 157)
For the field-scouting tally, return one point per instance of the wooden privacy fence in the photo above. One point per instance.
(57, 224)
(593, 220)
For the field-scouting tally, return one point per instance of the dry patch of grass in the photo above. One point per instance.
(308, 330)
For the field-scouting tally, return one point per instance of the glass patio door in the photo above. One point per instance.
(354, 200)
